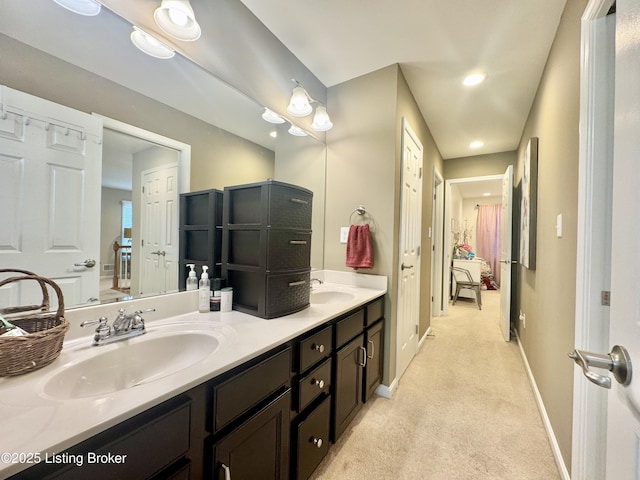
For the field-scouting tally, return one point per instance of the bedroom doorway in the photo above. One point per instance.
(464, 198)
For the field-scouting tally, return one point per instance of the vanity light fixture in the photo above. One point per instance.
(476, 144)
(272, 117)
(88, 8)
(300, 106)
(297, 131)
(474, 79)
(150, 45)
(176, 18)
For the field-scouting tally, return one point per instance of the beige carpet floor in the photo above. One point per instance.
(464, 409)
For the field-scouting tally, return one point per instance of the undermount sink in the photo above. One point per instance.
(330, 296)
(127, 364)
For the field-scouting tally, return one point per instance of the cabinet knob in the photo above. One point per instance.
(319, 348)
(319, 383)
(317, 442)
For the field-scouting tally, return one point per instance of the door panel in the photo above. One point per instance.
(505, 254)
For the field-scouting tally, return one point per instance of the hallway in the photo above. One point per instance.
(463, 410)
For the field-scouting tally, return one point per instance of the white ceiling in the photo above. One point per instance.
(436, 44)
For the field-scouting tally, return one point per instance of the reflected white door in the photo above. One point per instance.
(409, 262)
(505, 253)
(623, 432)
(159, 225)
(50, 176)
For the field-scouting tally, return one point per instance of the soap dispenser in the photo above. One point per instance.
(192, 280)
(204, 291)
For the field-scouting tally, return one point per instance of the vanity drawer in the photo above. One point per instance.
(312, 442)
(314, 348)
(247, 389)
(270, 250)
(349, 327)
(314, 384)
(375, 311)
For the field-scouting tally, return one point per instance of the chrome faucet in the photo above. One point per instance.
(124, 326)
(320, 282)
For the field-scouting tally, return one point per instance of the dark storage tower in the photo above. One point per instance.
(200, 233)
(266, 247)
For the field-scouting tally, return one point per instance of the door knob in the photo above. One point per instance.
(618, 362)
(508, 262)
(89, 263)
(159, 252)
(404, 267)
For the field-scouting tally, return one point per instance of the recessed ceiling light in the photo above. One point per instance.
(474, 79)
(271, 116)
(476, 144)
(88, 8)
(150, 45)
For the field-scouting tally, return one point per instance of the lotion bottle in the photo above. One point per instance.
(204, 291)
(192, 280)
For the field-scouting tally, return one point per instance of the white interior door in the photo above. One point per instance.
(409, 262)
(623, 432)
(505, 253)
(50, 176)
(159, 225)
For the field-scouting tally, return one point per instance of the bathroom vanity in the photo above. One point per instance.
(266, 402)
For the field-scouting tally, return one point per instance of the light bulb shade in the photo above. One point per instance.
(150, 45)
(176, 18)
(271, 116)
(321, 120)
(297, 131)
(299, 105)
(88, 8)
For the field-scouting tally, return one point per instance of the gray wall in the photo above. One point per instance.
(547, 294)
(363, 168)
(479, 165)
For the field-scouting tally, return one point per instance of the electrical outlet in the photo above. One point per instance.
(523, 319)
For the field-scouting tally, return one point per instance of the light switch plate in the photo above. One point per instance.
(344, 234)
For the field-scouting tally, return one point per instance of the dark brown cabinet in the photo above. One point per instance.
(259, 448)
(347, 382)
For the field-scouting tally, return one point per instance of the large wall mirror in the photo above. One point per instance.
(89, 64)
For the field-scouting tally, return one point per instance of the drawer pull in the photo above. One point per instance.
(319, 348)
(227, 472)
(297, 242)
(316, 441)
(370, 342)
(318, 383)
(364, 357)
(299, 200)
(297, 284)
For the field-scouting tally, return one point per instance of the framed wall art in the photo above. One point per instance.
(529, 205)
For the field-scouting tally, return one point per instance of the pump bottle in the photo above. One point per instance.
(192, 280)
(204, 291)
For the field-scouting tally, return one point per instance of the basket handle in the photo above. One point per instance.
(45, 294)
(41, 281)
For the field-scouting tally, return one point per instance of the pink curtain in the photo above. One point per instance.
(488, 235)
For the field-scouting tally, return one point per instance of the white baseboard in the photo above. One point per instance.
(387, 391)
(424, 338)
(557, 454)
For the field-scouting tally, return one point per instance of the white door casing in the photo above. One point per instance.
(506, 219)
(159, 228)
(409, 261)
(437, 224)
(593, 250)
(50, 176)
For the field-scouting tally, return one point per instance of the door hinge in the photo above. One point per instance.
(605, 298)
(420, 173)
(142, 243)
(417, 332)
(418, 251)
(143, 189)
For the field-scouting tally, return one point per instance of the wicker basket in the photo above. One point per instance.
(46, 330)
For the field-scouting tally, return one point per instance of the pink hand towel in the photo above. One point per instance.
(359, 249)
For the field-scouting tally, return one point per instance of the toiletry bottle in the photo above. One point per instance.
(192, 280)
(204, 291)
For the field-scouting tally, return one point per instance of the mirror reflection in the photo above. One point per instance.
(228, 142)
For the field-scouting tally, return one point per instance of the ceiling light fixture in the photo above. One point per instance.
(476, 144)
(88, 8)
(474, 79)
(300, 106)
(176, 18)
(272, 117)
(150, 45)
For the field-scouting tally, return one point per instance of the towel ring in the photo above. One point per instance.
(361, 211)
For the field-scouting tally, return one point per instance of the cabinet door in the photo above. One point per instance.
(347, 393)
(259, 448)
(374, 343)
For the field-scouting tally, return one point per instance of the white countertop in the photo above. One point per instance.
(33, 423)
